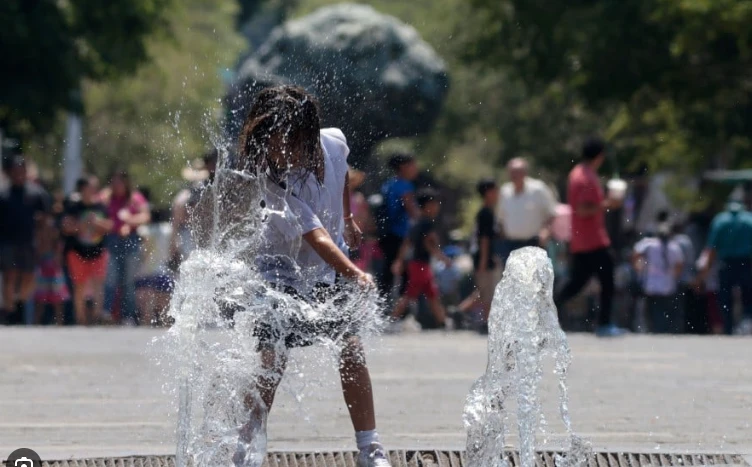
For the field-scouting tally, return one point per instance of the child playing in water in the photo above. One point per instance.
(306, 167)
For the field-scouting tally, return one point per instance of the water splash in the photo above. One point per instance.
(219, 300)
(523, 329)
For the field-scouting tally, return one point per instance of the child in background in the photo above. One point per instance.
(86, 224)
(51, 289)
(425, 245)
(659, 262)
(486, 264)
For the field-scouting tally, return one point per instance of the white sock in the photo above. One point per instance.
(364, 439)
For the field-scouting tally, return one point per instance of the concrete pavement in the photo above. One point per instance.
(78, 392)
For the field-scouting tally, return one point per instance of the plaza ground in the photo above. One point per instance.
(97, 392)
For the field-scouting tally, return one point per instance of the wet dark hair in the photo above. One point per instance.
(397, 160)
(288, 112)
(593, 148)
(484, 186)
(426, 195)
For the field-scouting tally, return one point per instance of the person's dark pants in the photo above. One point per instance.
(121, 274)
(662, 310)
(695, 311)
(508, 246)
(390, 247)
(584, 266)
(734, 272)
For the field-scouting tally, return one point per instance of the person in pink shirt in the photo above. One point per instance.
(128, 210)
(589, 245)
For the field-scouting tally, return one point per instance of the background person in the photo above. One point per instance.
(200, 174)
(400, 210)
(659, 262)
(525, 210)
(485, 263)
(51, 289)
(425, 245)
(589, 245)
(730, 242)
(24, 207)
(128, 210)
(86, 224)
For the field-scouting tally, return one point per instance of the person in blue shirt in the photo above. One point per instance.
(730, 241)
(400, 211)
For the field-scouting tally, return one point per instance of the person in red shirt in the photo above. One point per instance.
(589, 245)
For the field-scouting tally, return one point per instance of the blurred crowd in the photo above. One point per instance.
(102, 255)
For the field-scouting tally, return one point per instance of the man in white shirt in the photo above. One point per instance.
(525, 210)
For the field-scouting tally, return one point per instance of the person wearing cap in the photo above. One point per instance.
(24, 206)
(730, 243)
(589, 245)
(525, 209)
(198, 175)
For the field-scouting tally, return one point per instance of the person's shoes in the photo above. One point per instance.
(745, 327)
(483, 329)
(395, 327)
(373, 456)
(457, 317)
(610, 331)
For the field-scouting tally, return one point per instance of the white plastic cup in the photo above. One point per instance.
(617, 189)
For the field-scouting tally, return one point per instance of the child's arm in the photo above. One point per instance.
(353, 234)
(431, 242)
(324, 246)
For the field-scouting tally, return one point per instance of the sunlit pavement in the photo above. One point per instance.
(97, 392)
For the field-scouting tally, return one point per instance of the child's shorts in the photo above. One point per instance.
(420, 281)
(82, 270)
(297, 332)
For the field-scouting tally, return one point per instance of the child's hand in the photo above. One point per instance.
(353, 234)
(366, 280)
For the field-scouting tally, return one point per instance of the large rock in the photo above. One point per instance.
(374, 75)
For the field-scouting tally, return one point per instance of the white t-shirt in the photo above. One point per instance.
(523, 215)
(281, 257)
(310, 206)
(658, 275)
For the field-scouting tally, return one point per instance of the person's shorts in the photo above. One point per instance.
(21, 258)
(159, 283)
(297, 332)
(485, 283)
(420, 281)
(82, 270)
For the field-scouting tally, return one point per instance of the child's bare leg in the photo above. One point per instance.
(273, 366)
(468, 303)
(356, 385)
(400, 307)
(79, 304)
(437, 309)
(97, 295)
(10, 280)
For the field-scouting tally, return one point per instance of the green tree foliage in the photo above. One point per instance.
(674, 74)
(49, 47)
(167, 114)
